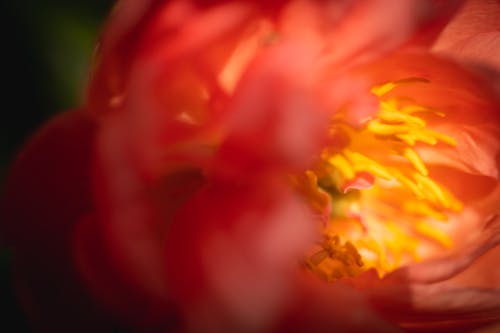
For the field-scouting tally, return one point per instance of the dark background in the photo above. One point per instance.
(47, 48)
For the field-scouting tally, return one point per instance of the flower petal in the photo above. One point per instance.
(274, 121)
(476, 24)
(47, 190)
(230, 253)
(482, 48)
(476, 150)
(366, 33)
(319, 307)
(125, 227)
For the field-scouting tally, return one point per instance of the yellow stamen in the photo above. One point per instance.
(342, 165)
(434, 191)
(415, 160)
(396, 117)
(383, 89)
(399, 242)
(394, 217)
(379, 128)
(362, 163)
(421, 208)
(434, 234)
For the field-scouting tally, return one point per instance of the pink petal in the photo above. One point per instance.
(349, 96)
(362, 180)
(476, 151)
(319, 307)
(436, 307)
(482, 48)
(474, 18)
(230, 253)
(483, 273)
(273, 119)
(174, 97)
(366, 33)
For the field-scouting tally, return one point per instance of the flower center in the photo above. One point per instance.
(380, 207)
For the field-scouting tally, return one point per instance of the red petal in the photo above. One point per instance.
(274, 121)
(47, 192)
(316, 306)
(48, 186)
(231, 252)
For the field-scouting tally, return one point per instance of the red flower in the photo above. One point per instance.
(265, 167)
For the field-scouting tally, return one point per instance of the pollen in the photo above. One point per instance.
(380, 207)
(339, 258)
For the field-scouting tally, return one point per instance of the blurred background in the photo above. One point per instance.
(47, 50)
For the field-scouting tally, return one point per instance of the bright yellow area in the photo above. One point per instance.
(383, 225)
